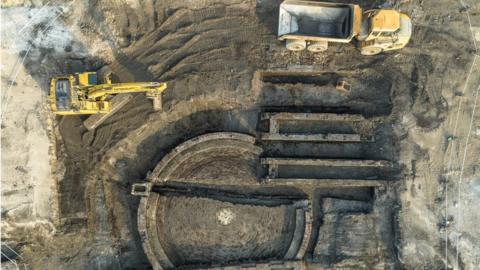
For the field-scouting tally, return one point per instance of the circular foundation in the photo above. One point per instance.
(194, 228)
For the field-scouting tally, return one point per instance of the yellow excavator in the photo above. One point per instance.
(81, 94)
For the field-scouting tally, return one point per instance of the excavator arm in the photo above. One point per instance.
(152, 89)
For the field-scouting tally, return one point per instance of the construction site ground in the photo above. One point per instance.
(66, 191)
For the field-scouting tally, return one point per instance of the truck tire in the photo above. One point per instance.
(371, 50)
(318, 46)
(296, 45)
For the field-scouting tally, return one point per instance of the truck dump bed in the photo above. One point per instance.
(316, 20)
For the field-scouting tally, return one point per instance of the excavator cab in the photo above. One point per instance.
(86, 78)
(62, 94)
(63, 97)
(66, 94)
(69, 95)
(384, 30)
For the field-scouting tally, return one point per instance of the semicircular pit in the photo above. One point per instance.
(193, 234)
(190, 218)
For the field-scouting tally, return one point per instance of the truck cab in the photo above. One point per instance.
(384, 30)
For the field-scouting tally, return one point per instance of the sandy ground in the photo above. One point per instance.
(209, 52)
(27, 188)
(29, 169)
(440, 190)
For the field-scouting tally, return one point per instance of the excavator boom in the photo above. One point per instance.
(150, 88)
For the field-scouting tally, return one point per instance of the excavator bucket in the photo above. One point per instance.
(157, 103)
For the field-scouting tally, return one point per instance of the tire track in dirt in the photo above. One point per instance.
(176, 37)
(199, 40)
(199, 44)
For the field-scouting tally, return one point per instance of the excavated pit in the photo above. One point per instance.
(184, 226)
(208, 202)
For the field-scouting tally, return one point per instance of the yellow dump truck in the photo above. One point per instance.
(312, 25)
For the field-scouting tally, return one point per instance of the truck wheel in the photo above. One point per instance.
(318, 46)
(296, 45)
(371, 50)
